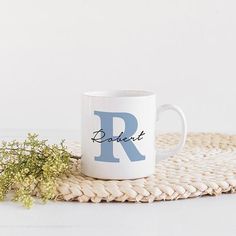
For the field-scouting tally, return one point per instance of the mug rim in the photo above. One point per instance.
(119, 93)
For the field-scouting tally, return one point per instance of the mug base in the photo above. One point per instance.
(109, 177)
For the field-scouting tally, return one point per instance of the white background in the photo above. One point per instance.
(53, 50)
(209, 216)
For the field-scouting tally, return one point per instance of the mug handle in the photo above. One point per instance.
(179, 146)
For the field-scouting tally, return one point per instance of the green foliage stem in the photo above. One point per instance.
(29, 166)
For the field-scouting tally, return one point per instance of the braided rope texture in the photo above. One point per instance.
(206, 166)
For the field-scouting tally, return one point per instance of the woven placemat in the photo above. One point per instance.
(206, 166)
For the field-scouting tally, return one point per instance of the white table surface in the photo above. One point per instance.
(199, 216)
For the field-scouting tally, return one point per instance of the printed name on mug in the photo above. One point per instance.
(126, 138)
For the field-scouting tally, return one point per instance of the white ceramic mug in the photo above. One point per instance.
(118, 134)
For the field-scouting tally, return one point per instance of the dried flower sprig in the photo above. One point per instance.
(29, 166)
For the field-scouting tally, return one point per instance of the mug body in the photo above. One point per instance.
(118, 134)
